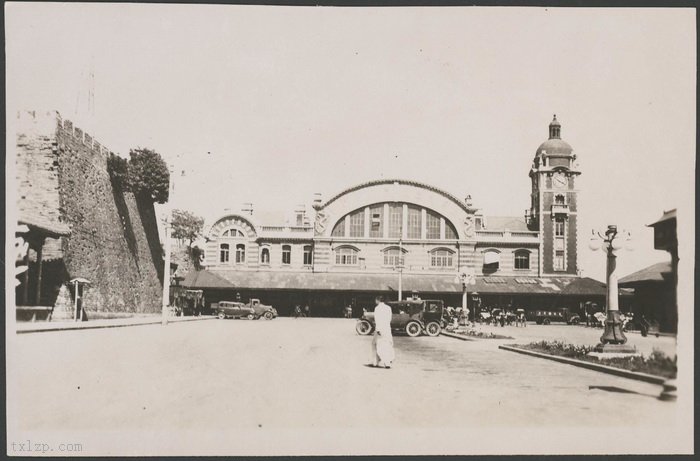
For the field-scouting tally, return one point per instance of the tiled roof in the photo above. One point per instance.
(37, 220)
(653, 273)
(389, 282)
(512, 223)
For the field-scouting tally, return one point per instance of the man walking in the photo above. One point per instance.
(382, 342)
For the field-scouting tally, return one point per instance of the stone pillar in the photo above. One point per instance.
(39, 263)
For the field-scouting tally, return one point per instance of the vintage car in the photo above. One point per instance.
(545, 317)
(252, 311)
(262, 310)
(235, 310)
(414, 316)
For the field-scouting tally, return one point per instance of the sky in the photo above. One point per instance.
(270, 105)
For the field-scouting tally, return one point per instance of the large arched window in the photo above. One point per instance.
(394, 220)
(339, 229)
(223, 252)
(357, 223)
(394, 256)
(233, 232)
(286, 254)
(240, 253)
(265, 256)
(346, 256)
(432, 225)
(450, 232)
(522, 259)
(441, 257)
(413, 222)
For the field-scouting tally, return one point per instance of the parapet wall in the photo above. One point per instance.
(114, 238)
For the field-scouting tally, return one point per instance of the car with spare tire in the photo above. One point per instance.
(413, 317)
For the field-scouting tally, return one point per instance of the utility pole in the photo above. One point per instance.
(166, 263)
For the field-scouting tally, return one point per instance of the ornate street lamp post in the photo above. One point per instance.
(466, 278)
(613, 339)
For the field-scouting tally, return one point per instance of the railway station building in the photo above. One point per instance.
(394, 235)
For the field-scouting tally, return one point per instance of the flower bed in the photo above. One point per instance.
(474, 333)
(657, 363)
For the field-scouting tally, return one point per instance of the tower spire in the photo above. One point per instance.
(555, 129)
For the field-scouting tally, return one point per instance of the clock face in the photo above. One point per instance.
(559, 180)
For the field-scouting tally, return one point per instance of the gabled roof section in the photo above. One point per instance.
(653, 273)
(205, 279)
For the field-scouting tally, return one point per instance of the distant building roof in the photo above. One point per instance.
(670, 214)
(513, 223)
(653, 273)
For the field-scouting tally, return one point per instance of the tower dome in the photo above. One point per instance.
(555, 146)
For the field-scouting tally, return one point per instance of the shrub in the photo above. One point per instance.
(657, 363)
(148, 174)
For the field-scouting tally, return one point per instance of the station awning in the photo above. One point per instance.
(424, 283)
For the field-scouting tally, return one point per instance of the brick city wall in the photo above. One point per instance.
(114, 239)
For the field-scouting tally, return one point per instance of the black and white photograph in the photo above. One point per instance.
(302, 230)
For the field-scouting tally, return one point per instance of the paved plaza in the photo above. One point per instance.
(265, 387)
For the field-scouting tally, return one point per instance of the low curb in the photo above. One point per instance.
(87, 326)
(653, 379)
(455, 336)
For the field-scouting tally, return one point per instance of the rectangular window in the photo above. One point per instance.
(223, 253)
(286, 254)
(522, 260)
(376, 226)
(395, 220)
(559, 261)
(414, 223)
(357, 224)
(432, 226)
(307, 255)
(240, 254)
(559, 227)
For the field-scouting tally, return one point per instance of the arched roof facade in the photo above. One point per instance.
(228, 221)
(371, 193)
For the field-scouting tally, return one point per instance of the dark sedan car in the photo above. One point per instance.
(234, 310)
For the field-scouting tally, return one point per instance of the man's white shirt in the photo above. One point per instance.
(382, 318)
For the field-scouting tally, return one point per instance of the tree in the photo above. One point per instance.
(186, 226)
(148, 174)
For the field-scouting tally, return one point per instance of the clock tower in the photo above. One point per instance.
(554, 204)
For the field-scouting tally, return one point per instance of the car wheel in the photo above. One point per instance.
(545, 321)
(574, 321)
(413, 329)
(221, 315)
(268, 316)
(251, 317)
(433, 329)
(363, 328)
